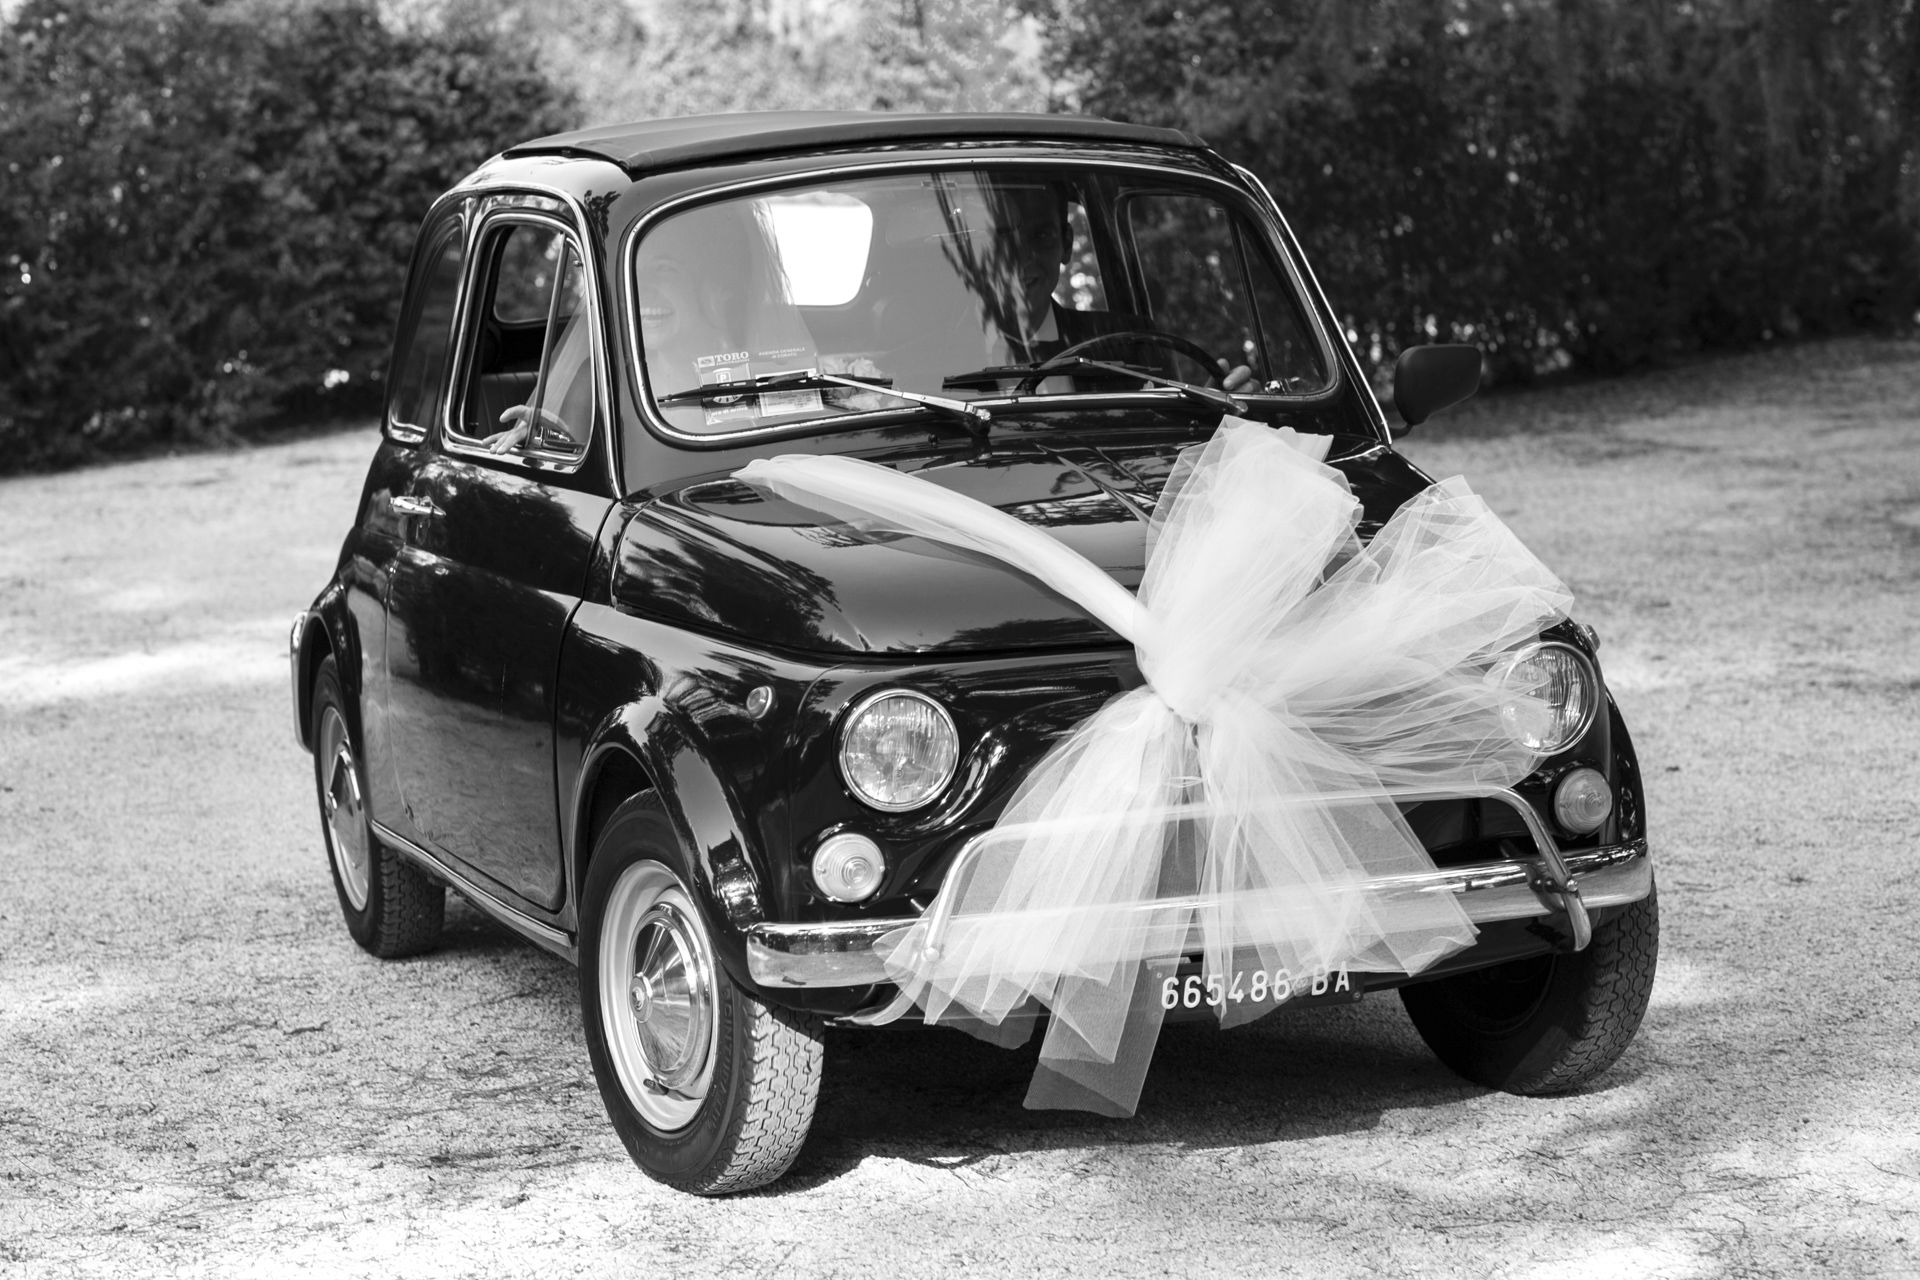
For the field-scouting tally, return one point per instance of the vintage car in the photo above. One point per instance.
(710, 748)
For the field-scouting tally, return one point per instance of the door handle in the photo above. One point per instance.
(407, 505)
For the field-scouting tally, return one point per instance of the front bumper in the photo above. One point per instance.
(1550, 883)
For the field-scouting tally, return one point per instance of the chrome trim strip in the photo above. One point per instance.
(457, 443)
(486, 190)
(418, 269)
(841, 954)
(629, 284)
(293, 675)
(534, 931)
(1551, 880)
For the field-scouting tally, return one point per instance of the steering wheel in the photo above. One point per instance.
(1171, 341)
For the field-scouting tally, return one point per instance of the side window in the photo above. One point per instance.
(426, 335)
(563, 397)
(1196, 286)
(1294, 360)
(531, 391)
(523, 288)
(1208, 277)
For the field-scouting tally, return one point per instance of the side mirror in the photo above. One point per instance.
(1429, 379)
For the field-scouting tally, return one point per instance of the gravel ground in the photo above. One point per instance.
(201, 1075)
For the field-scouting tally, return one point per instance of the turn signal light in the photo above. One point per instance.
(848, 867)
(1582, 800)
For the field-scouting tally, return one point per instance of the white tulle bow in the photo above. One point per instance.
(1242, 805)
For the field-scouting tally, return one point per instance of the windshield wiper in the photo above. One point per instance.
(814, 380)
(1211, 398)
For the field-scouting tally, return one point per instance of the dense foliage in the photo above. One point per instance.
(1595, 183)
(640, 59)
(208, 207)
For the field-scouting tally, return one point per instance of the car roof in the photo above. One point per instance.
(648, 146)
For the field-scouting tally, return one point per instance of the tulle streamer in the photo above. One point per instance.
(1240, 806)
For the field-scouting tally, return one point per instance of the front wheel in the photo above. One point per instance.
(1547, 1024)
(711, 1091)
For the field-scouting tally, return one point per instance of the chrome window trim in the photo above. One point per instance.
(1349, 361)
(1250, 203)
(484, 189)
(408, 433)
(457, 443)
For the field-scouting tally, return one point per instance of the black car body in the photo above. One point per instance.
(596, 635)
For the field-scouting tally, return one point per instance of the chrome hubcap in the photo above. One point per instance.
(344, 810)
(657, 995)
(670, 997)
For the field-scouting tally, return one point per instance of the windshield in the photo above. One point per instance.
(961, 284)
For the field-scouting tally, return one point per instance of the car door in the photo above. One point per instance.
(416, 400)
(496, 554)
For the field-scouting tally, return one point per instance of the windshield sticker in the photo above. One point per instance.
(723, 367)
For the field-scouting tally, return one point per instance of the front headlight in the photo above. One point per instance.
(898, 750)
(1553, 693)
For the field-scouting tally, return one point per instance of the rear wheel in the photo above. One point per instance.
(1547, 1024)
(711, 1090)
(391, 908)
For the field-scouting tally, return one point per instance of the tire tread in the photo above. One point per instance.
(1624, 961)
(406, 908)
(785, 1052)
(766, 1082)
(413, 908)
(1589, 1014)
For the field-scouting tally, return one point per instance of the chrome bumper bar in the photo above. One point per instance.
(1551, 882)
(841, 955)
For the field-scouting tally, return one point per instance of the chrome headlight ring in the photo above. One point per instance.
(1563, 677)
(898, 750)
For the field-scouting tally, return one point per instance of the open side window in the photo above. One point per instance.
(531, 387)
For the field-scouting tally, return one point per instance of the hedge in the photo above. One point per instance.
(208, 208)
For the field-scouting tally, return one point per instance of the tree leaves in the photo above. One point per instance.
(209, 206)
(1596, 185)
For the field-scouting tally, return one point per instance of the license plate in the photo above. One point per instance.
(1256, 987)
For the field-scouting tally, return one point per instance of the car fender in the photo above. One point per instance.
(722, 861)
(1630, 804)
(326, 627)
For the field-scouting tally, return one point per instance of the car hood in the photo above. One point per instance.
(719, 556)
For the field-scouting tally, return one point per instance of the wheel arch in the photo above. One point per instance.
(324, 634)
(612, 775)
(644, 748)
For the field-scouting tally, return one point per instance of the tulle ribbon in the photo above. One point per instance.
(1241, 805)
